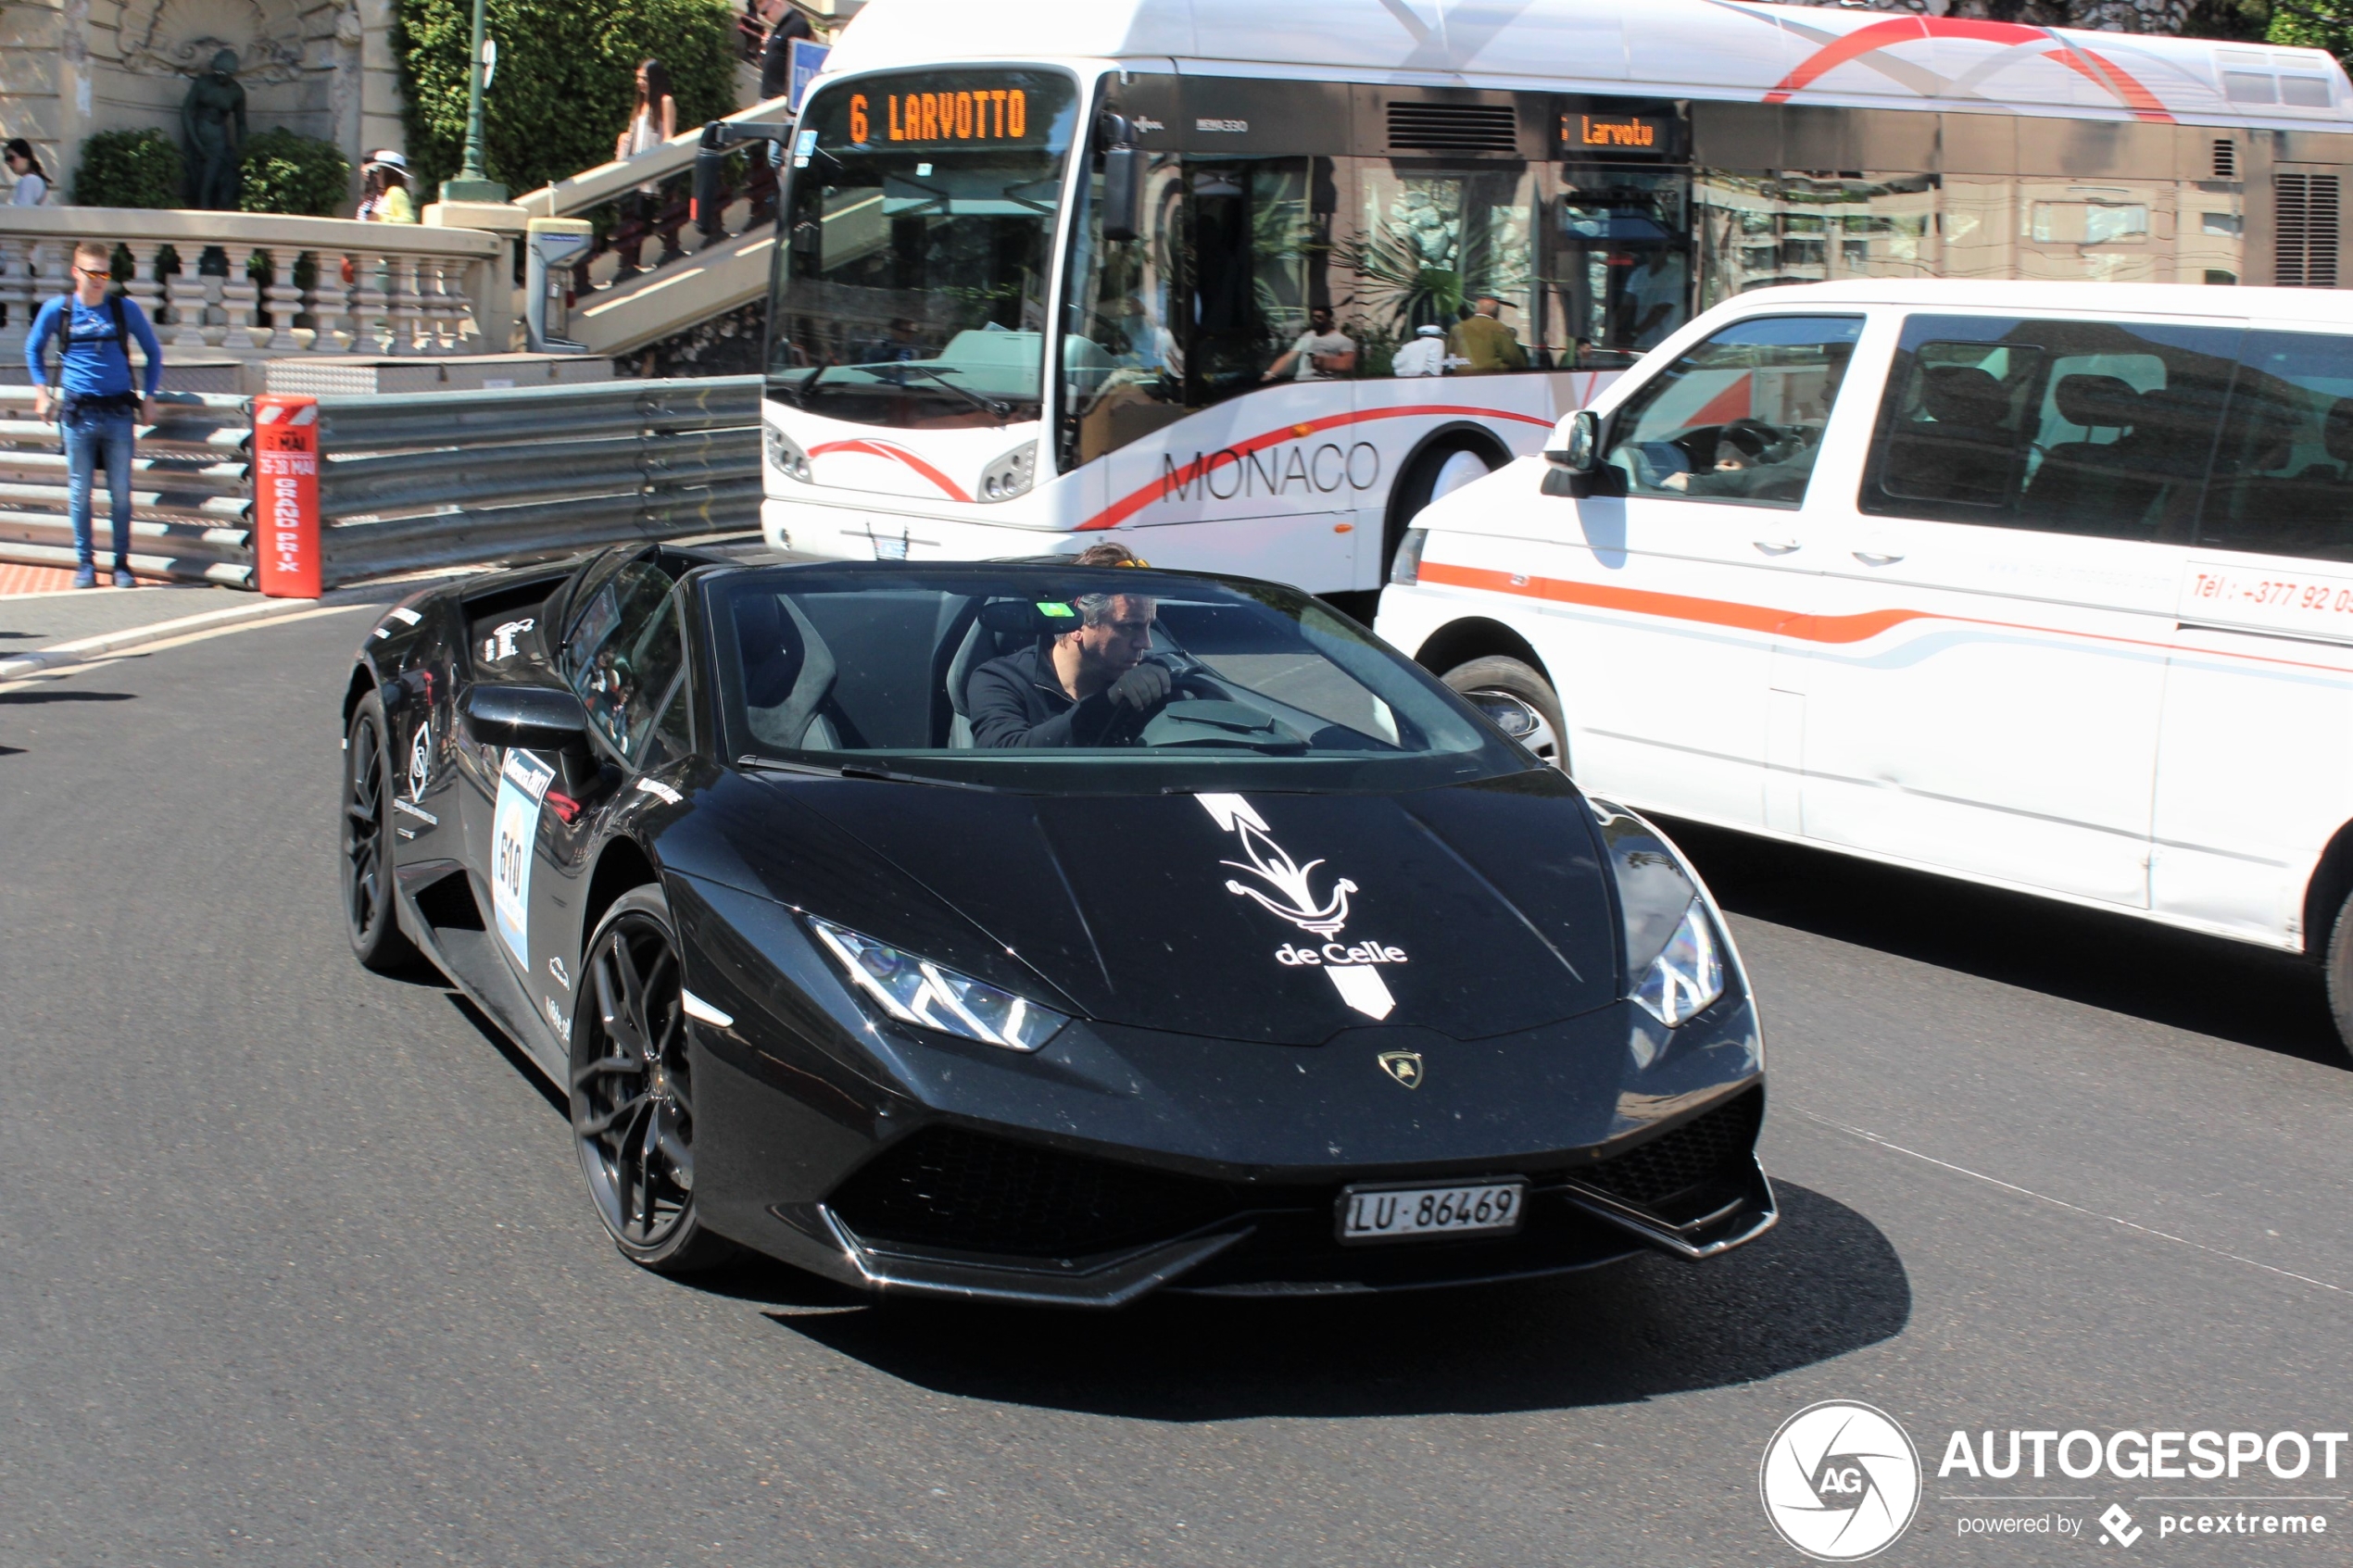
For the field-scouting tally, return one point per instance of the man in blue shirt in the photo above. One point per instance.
(94, 400)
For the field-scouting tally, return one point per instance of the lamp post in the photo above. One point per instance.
(471, 184)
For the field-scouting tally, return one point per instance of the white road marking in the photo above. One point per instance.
(2072, 1208)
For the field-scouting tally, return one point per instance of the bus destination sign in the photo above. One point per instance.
(976, 115)
(1618, 136)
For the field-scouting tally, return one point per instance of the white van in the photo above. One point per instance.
(2045, 585)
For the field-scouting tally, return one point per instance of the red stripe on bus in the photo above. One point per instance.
(1913, 30)
(1119, 511)
(947, 486)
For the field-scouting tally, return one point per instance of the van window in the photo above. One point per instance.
(2101, 428)
(1738, 418)
(2283, 480)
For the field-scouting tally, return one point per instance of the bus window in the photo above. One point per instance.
(1619, 266)
(1738, 418)
(1430, 243)
(910, 288)
(2099, 428)
(1759, 230)
(2283, 479)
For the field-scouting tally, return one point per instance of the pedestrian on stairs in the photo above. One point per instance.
(93, 400)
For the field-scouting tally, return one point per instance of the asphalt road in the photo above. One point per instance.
(295, 1267)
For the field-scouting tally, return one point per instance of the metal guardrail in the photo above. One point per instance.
(416, 481)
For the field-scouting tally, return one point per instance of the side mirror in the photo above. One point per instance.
(1575, 454)
(1123, 179)
(531, 718)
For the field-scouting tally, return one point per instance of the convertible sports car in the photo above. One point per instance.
(1266, 965)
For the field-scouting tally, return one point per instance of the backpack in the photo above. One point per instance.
(114, 313)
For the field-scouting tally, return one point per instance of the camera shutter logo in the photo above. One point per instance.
(1840, 1481)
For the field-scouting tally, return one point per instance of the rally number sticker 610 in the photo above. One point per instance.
(514, 828)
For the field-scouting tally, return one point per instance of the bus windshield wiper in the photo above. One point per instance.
(799, 393)
(995, 406)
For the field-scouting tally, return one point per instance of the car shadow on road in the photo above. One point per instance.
(1826, 1281)
(2251, 995)
(67, 694)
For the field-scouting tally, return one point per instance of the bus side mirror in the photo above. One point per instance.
(1574, 454)
(1123, 179)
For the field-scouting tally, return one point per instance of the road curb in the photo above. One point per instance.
(58, 656)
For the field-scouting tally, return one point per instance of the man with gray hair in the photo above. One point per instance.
(1081, 687)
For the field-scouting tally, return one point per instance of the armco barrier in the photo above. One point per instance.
(414, 482)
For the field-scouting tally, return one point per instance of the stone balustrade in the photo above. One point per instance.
(334, 286)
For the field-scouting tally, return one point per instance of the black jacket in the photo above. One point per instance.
(775, 60)
(1018, 701)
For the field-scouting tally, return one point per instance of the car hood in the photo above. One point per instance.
(1476, 911)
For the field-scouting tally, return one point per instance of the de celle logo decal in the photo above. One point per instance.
(420, 762)
(1404, 1066)
(1840, 1481)
(1285, 889)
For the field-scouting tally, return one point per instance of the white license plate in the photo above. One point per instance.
(1461, 1209)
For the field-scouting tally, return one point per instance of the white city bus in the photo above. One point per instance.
(1054, 273)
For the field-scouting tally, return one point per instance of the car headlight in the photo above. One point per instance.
(1009, 475)
(1405, 567)
(1675, 951)
(1688, 974)
(917, 991)
(785, 455)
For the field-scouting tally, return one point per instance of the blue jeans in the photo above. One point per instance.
(89, 436)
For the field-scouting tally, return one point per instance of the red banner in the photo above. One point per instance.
(285, 496)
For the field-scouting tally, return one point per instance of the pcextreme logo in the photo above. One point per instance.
(1840, 1481)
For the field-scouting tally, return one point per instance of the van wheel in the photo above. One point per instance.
(1446, 467)
(2340, 971)
(1519, 700)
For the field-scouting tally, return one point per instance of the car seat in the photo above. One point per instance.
(2093, 486)
(1961, 453)
(788, 674)
(1001, 628)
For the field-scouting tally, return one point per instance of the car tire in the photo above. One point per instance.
(1497, 679)
(2339, 969)
(371, 912)
(632, 1090)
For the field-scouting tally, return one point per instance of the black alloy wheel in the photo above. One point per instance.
(633, 1092)
(369, 918)
(1522, 702)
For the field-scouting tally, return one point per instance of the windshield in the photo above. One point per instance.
(911, 289)
(1094, 680)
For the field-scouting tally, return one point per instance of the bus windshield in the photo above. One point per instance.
(911, 290)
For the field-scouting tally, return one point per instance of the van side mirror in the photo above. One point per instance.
(531, 718)
(1122, 179)
(1575, 455)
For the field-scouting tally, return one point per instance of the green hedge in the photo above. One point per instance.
(299, 175)
(129, 169)
(566, 80)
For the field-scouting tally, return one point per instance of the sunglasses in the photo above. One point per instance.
(106, 272)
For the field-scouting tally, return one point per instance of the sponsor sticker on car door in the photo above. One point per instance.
(523, 785)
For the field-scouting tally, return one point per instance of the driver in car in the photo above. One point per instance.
(1075, 689)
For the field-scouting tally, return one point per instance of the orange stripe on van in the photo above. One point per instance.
(1833, 629)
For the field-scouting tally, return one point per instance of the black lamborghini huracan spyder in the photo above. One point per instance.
(1277, 968)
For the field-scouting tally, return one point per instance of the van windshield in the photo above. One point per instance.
(910, 288)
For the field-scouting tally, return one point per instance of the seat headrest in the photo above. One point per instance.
(2336, 431)
(772, 648)
(1963, 394)
(2097, 402)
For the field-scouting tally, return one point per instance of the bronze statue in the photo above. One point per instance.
(212, 119)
